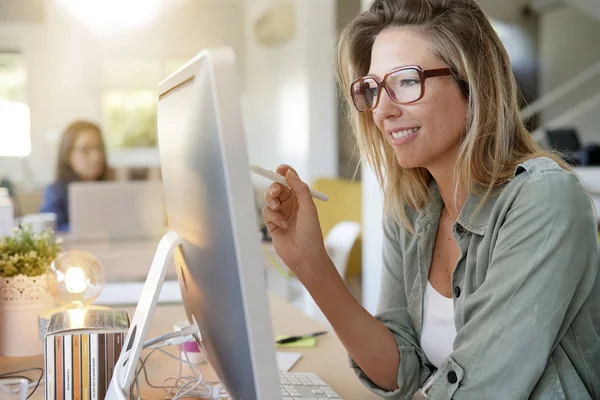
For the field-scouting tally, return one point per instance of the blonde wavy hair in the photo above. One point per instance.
(495, 141)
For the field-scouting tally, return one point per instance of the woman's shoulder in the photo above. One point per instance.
(542, 176)
(544, 183)
(56, 189)
(539, 166)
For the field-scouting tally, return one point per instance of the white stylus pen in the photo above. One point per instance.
(265, 173)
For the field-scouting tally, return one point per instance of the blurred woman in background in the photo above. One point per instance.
(81, 158)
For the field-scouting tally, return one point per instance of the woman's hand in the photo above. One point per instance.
(292, 220)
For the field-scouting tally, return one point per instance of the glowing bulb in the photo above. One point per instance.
(76, 278)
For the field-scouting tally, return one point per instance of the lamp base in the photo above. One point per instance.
(45, 315)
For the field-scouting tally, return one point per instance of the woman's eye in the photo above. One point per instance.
(409, 82)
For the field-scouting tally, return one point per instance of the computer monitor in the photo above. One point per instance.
(210, 204)
(210, 207)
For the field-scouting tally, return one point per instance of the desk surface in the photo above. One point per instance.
(328, 359)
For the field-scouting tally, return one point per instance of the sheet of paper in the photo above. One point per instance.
(286, 360)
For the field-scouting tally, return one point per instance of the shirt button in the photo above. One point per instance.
(456, 291)
(452, 378)
(460, 229)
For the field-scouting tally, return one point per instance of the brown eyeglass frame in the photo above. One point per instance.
(423, 74)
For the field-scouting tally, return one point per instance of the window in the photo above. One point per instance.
(15, 133)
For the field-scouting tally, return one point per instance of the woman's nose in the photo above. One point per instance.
(387, 107)
(96, 156)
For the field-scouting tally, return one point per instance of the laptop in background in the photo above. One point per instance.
(116, 210)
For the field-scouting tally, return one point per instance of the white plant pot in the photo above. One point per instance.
(22, 298)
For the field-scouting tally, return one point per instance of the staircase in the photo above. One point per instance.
(590, 8)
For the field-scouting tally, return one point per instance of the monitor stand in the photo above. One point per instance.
(125, 368)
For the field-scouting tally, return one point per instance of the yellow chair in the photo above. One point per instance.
(345, 204)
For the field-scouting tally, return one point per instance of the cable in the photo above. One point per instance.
(35, 386)
(183, 386)
(172, 342)
(188, 330)
(13, 375)
(200, 387)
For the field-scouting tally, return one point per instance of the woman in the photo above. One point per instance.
(81, 157)
(490, 254)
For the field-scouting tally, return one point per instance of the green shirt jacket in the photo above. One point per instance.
(526, 293)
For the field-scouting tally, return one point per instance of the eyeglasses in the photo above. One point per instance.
(403, 85)
(87, 150)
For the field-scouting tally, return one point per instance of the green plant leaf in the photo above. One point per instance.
(26, 252)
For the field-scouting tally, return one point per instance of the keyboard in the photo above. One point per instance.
(305, 386)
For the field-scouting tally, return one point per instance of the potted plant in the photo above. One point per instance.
(25, 257)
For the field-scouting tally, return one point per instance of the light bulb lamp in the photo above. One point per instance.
(75, 279)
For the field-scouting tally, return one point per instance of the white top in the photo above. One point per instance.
(439, 331)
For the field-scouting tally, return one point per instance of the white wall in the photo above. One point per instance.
(69, 66)
(289, 98)
(569, 45)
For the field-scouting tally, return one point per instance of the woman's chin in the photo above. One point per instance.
(408, 161)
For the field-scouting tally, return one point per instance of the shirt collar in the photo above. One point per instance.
(471, 220)
(475, 213)
(431, 212)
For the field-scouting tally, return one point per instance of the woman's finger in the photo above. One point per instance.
(283, 169)
(273, 219)
(271, 201)
(277, 190)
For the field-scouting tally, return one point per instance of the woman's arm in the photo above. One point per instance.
(385, 351)
(368, 341)
(55, 201)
